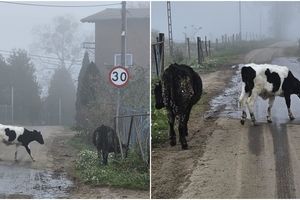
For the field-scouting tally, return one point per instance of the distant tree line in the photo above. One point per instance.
(18, 72)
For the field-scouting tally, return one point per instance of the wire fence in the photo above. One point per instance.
(134, 131)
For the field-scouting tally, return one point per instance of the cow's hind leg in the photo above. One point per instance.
(183, 130)
(16, 153)
(99, 155)
(250, 104)
(288, 104)
(104, 157)
(269, 116)
(172, 135)
(187, 117)
(242, 102)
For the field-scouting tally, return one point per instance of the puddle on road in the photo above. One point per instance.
(19, 182)
(226, 103)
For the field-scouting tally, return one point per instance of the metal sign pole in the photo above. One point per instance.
(123, 63)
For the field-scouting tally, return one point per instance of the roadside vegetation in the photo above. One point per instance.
(131, 172)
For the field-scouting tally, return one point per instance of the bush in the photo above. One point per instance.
(131, 172)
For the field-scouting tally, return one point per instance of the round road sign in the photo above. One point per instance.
(119, 76)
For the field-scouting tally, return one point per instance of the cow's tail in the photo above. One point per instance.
(197, 86)
(95, 137)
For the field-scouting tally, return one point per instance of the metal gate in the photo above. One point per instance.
(134, 131)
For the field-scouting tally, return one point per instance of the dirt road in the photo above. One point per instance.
(171, 167)
(50, 176)
(240, 161)
(266, 55)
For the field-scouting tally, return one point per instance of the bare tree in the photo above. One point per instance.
(59, 39)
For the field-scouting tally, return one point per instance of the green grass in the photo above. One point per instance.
(159, 125)
(80, 141)
(131, 172)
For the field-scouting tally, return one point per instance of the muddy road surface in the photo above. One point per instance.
(51, 175)
(39, 179)
(251, 161)
(170, 166)
(230, 160)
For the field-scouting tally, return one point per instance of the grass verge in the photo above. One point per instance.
(131, 173)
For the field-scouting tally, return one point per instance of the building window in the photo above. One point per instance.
(128, 60)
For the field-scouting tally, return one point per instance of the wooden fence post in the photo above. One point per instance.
(222, 39)
(161, 40)
(206, 51)
(201, 50)
(155, 59)
(188, 48)
(198, 50)
(209, 52)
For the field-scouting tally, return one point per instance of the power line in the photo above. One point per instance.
(59, 6)
(39, 56)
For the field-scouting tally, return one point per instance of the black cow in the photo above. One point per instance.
(106, 141)
(179, 89)
(19, 136)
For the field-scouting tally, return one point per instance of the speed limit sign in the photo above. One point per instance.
(119, 76)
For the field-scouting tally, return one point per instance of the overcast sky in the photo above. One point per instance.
(215, 18)
(17, 21)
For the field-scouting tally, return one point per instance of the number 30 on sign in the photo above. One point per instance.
(118, 76)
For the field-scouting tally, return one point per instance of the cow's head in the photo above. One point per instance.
(38, 136)
(159, 103)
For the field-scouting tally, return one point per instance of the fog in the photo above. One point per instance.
(29, 75)
(18, 24)
(269, 19)
(18, 20)
(41, 55)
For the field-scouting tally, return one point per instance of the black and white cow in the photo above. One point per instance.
(106, 141)
(19, 136)
(179, 89)
(267, 81)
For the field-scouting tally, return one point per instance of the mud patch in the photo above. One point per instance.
(20, 182)
(226, 103)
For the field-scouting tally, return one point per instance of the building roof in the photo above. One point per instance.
(115, 13)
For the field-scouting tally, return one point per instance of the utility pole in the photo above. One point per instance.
(123, 63)
(59, 110)
(240, 19)
(123, 35)
(170, 28)
(12, 104)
